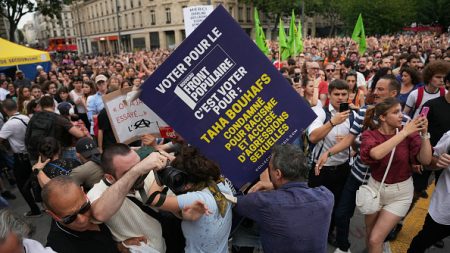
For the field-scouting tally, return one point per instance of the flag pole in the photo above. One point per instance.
(279, 55)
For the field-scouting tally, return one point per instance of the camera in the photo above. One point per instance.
(173, 178)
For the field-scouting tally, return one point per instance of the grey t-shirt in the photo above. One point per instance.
(87, 174)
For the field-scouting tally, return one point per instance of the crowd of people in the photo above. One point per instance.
(163, 195)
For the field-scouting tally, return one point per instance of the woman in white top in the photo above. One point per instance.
(77, 96)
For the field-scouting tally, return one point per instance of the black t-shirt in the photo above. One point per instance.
(105, 126)
(64, 240)
(60, 167)
(438, 118)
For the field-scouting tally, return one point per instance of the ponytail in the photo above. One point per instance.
(369, 119)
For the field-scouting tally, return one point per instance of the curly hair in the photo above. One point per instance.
(415, 76)
(199, 168)
(433, 68)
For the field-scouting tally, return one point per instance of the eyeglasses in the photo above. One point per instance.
(329, 70)
(71, 218)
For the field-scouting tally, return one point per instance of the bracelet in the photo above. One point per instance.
(425, 136)
(330, 154)
(331, 123)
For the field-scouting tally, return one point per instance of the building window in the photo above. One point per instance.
(240, 19)
(131, 4)
(125, 21)
(140, 18)
(168, 16)
(139, 3)
(152, 17)
(230, 10)
(133, 20)
(248, 14)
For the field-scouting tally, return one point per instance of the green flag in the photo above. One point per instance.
(284, 48)
(359, 35)
(292, 36)
(260, 38)
(299, 39)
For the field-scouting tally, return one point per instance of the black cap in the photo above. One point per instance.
(86, 147)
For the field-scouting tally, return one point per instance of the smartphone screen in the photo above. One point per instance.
(424, 111)
(343, 107)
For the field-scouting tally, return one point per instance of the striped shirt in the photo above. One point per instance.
(358, 169)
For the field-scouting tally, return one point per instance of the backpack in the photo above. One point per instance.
(41, 125)
(420, 92)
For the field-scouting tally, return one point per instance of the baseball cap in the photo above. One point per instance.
(86, 147)
(100, 78)
(19, 71)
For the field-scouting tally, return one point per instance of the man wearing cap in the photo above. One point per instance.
(95, 102)
(21, 80)
(90, 172)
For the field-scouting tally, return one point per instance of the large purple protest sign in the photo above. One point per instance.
(223, 95)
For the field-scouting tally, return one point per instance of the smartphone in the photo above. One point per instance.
(343, 107)
(424, 111)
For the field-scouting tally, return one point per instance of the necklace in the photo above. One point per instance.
(67, 232)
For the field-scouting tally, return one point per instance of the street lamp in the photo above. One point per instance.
(119, 41)
(79, 28)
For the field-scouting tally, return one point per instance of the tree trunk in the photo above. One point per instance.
(12, 31)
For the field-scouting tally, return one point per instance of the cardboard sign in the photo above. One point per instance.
(130, 121)
(194, 16)
(223, 95)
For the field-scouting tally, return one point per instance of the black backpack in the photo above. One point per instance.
(41, 125)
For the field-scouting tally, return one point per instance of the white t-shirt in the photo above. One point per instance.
(360, 80)
(440, 201)
(412, 98)
(74, 96)
(3, 94)
(130, 221)
(329, 140)
(32, 246)
(14, 131)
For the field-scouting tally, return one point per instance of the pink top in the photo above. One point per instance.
(404, 157)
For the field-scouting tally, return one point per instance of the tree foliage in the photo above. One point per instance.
(380, 16)
(14, 10)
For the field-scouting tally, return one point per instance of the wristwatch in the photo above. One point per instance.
(425, 136)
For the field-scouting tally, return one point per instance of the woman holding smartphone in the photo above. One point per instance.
(412, 146)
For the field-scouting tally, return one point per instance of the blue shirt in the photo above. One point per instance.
(94, 106)
(210, 233)
(293, 218)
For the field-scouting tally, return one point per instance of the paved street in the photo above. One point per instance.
(357, 230)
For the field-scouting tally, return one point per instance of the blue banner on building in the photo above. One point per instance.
(223, 95)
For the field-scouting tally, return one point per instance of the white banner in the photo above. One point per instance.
(130, 122)
(194, 16)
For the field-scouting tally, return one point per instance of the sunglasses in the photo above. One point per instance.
(329, 70)
(71, 218)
